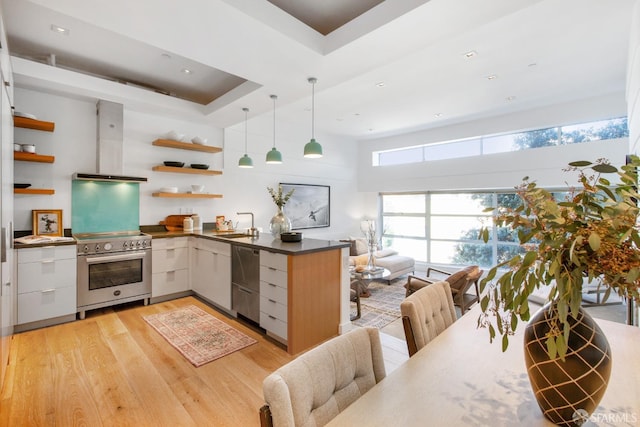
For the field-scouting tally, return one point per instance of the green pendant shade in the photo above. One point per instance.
(274, 156)
(312, 149)
(245, 162)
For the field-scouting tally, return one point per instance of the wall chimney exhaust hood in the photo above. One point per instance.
(109, 146)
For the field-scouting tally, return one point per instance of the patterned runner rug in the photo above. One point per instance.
(197, 335)
(383, 306)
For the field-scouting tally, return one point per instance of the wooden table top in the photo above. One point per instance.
(460, 379)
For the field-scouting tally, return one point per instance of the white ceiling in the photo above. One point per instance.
(241, 51)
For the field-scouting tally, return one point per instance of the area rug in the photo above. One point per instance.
(197, 335)
(383, 306)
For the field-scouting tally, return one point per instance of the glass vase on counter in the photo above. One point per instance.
(280, 223)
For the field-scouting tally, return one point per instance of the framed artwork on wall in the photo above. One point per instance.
(47, 222)
(309, 205)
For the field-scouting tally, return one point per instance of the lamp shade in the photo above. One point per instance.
(245, 162)
(274, 156)
(312, 149)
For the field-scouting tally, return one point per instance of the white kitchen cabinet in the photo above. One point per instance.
(169, 266)
(46, 278)
(273, 293)
(211, 271)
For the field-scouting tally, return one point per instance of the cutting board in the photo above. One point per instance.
(174, 222)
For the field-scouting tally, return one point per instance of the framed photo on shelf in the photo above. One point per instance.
(309, 205)
(47, 222)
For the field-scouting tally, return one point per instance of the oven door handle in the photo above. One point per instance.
(122, 257)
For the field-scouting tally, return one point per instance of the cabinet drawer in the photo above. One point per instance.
(34, 306)
(46, 253)
(170, 259)
(170, 243)
(273, 260)
(273, 308)
(46, 274)
(169, 282)
(213, 246)
(270, 275)
(273, 325)
(274, 292)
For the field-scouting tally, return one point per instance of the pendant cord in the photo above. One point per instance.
(313, 103)
(246, 111)
(274, 120)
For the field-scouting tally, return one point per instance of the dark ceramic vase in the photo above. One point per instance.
(568, 391)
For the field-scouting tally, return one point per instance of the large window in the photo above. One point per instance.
(443, 228)
(490, 144)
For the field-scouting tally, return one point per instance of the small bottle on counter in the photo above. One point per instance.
(187, 224)
(197, 225)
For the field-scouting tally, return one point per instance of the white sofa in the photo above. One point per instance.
(388, 258)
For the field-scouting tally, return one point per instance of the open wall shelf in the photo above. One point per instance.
(24, 122)
(186, 146)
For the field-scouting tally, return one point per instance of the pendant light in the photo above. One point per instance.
(245, 161)
(274, 157)
(312, 149)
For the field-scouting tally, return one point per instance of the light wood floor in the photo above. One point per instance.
(112, 369)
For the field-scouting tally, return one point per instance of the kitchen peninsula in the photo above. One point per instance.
(301, 283)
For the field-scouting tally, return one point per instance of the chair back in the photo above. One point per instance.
(315, 387)
(426, 313)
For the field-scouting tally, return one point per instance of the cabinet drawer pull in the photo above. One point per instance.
(47, 291)
(271, 284)
(270, 300)
(271, 317)
(272, 269)
(48, 261)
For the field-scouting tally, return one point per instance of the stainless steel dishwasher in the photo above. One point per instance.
(245, 282)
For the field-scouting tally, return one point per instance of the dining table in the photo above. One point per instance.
(461, 379)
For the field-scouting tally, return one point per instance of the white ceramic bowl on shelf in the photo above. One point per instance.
(198, 140)
(197, 188)
(28, 148)
(169, 190)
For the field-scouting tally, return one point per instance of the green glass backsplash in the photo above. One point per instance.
(100, 206)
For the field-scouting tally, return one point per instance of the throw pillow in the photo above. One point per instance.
(361, 245)
(384, 253)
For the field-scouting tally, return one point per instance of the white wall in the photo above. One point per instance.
(73, 145)
(633, 82)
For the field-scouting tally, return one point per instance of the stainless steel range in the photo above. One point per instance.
(113, 268)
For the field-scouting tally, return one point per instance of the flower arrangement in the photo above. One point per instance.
(279, 199)
(591, 236)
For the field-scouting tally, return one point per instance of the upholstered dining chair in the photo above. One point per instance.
(315, 387)
(460, 282)
(426, 313)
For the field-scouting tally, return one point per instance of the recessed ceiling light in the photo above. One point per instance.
(60, 30)
(187, 71)
(510, 98)
(470, 54)
(533, 64)
(166, 56)
(380, 84)
(492, 77)
(437, 115)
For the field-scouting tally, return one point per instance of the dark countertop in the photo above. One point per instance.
(264, 241)
(17, 245)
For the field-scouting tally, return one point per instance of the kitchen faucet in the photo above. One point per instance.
(253, 231)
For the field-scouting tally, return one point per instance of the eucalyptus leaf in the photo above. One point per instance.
(604, 168)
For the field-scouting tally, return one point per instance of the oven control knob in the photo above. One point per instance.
(144, 243)
(125, 245)
(97, 248)
(138, 243)
(108, 246)
(86, 248)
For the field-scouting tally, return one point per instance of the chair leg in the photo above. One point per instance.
(265, 416)
(356, 298)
